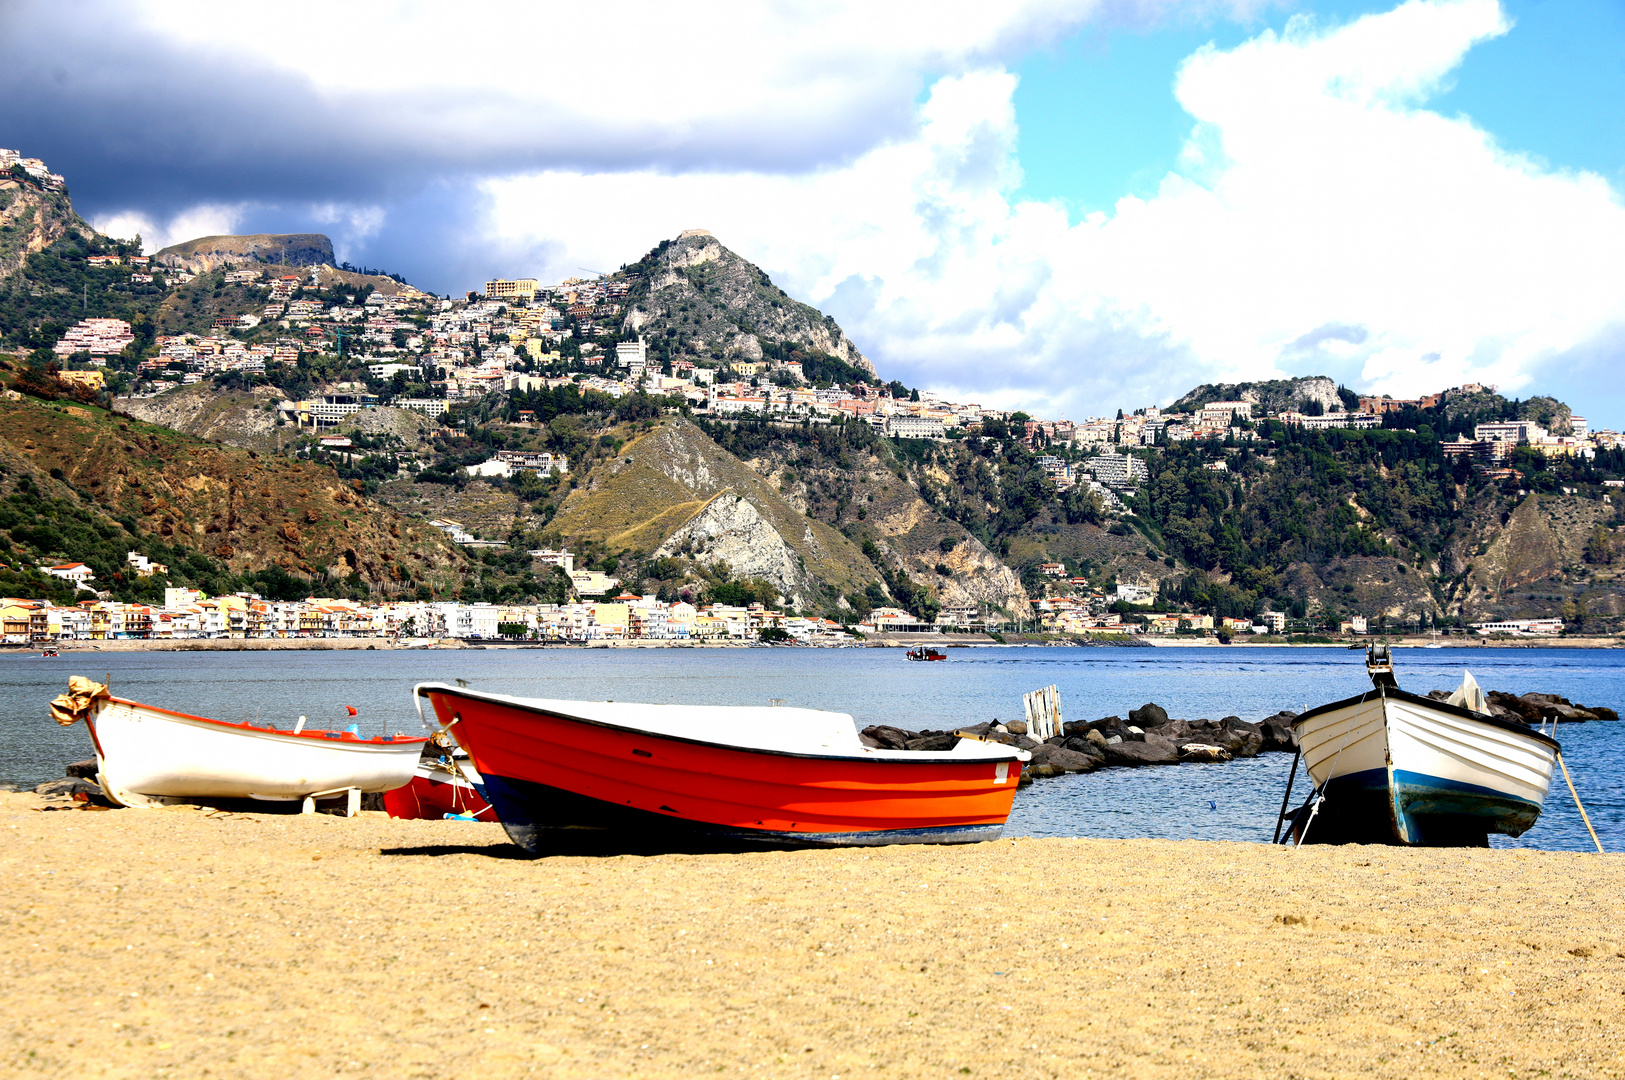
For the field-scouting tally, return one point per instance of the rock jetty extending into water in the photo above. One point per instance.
(1148, 737)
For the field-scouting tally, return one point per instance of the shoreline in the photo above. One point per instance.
(952, 641)
(184, 941)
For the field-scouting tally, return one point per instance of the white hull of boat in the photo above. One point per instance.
(144, 753)
(1429, 762)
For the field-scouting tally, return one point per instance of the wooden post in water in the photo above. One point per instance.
(1043, 708)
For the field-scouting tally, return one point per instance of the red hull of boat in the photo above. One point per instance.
(434, 799)
(535, 763)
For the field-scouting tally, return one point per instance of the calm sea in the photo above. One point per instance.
(1234, 801)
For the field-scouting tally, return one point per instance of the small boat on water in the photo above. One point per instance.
(147, 756)
(1391, 767)
(924, 653)
(49, 654)
(796, 777)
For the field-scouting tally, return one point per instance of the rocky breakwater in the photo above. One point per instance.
(1148, 737)
(1537, 709)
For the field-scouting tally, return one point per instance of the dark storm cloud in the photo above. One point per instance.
(140, 122)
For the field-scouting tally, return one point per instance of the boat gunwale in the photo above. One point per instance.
(1431, 703)
(320, 734)
(916, 757)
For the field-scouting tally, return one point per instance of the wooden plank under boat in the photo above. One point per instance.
(1399, 768)
(145, 754)
(767, 775)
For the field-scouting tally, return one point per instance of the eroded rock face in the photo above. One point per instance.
(206, 253)
(733, 531)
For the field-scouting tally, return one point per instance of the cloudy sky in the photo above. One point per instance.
(1067, 205)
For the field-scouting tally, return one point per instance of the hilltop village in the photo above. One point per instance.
(683, 445)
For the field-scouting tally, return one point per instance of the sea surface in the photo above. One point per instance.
(1232, 801)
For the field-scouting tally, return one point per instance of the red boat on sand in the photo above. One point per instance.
(797, 777)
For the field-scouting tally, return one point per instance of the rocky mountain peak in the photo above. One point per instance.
(699, 300)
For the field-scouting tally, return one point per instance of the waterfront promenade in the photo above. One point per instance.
(182, 942)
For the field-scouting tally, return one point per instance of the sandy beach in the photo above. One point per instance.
(190, 942)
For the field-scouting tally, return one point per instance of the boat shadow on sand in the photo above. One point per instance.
(599, 843)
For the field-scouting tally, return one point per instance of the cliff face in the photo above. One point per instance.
(31, 220)
(871, 500)
(704, 300)
(206, 253)
(236, 418)
(1274, 395)
(248, 511)
(1526, 561)
(675, 493)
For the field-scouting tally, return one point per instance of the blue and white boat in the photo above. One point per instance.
(1391, 767)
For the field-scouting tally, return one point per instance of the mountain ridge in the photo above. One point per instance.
(207, 253)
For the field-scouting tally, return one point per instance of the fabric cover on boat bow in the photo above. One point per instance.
(1468, 695)
(79, 701)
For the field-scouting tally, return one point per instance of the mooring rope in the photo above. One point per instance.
(1577, 805)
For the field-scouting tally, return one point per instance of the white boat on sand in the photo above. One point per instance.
(147, 756)
(1397, 768)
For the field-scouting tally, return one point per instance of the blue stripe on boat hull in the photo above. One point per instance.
(1420, 810)
(1425, 804)
(539, 818)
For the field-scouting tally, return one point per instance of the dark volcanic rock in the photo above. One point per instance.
(933, 742)
(1087, 746)
(889, 737)
(1277, 736)
(1065, 760)
(1149, 715)
(84, 770)
(1155, 750)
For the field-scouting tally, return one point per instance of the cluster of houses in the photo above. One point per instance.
(186, 615)
(34, 167)
(509, 339)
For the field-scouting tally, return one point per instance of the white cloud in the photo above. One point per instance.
(207, 219)
(349, 225)
(1323, 219)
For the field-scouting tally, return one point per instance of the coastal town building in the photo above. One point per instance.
(511, 289)
(100, 338)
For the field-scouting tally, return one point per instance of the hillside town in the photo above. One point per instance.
(431, 354)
